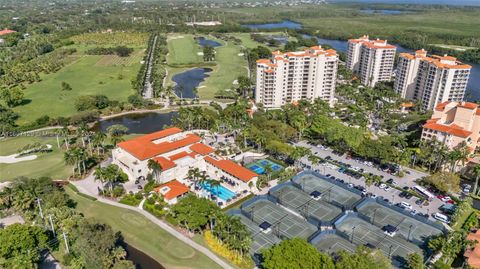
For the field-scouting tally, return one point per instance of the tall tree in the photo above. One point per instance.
(295, 253)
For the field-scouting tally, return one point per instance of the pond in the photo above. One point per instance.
(187, 81)
(382, 11)
(140, 259)
(473, 86)
(202, 41)
(139, 123)
(275, 25)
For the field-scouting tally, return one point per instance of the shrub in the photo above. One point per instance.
(131, 199)
(118, 191)
(214, 244)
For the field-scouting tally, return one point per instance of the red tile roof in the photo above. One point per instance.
(473, 254)
(441, 106)
(449, 129)
(202, 149)
(143, 147)
(468, 105)
(175, 189)
(181, 155)
(232, 168)
(6, 32)
(164, 163)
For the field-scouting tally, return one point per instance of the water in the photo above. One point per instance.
(422, 2)
(202, 41)
(219, 191)
(473, 86)
(140, 259)
(187, 81)
(139, 123)
(382, 11)
(276, 25)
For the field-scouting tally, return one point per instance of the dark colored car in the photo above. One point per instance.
(402, 194)
(390, 181)
(406, 188)
(419, 202)
(408, 196)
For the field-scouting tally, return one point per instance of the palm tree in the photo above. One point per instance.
(65, 133)
(155, 167)
(70, 158)
(98, 140)
(99, 174)
(6, 197)
(476, 172)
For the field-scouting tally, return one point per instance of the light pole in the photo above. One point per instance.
(353, 233)
(409, 232)
(374, 212)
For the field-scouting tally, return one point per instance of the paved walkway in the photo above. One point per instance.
(153, 219)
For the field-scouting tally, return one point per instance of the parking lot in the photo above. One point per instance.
(391, 195)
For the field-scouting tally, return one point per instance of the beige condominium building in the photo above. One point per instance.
(292, 76)
(371, 59)
(431, 79)
(453, 123)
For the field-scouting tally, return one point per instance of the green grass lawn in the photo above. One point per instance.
(183, 49)
(49, 164)
(250, 43)
(109, 75)
(142, 234)
(229, 65)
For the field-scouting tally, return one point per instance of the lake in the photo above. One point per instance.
(202, 41)
(275, 25)
(473, 87)
(139, 123)
(187, 81)
(140, 259)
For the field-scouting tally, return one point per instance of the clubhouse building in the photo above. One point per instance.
(177, 152)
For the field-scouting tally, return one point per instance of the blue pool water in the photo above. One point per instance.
(219, 191)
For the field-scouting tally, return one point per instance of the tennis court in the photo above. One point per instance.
(283, 223)
(329, 191)
(381, 216)
(332, 243)
(361, 232)
(259, 167)
(301, 202)
(260, 239)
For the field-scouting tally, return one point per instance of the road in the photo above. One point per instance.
(391, 195)
(148, 88)
(81, 184)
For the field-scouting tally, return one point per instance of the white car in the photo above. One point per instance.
(382, 186)
(387, 188)
(445, 199)
(406, 205)
(441, 217)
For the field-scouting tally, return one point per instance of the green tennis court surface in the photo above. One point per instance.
(301, 202)
(361, 232)
(329, 191)
(284, 223)
(381, 216)
(332, 243)
(260, 239)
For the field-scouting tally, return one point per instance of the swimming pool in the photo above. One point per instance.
(219, 191)
(259, 166)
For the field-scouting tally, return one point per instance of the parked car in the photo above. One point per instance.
(445, 199)
(382, 186)
(441, 217)
(387, 188)
(406, 205)
(419, 202)
(402, 194)
(408, 196)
